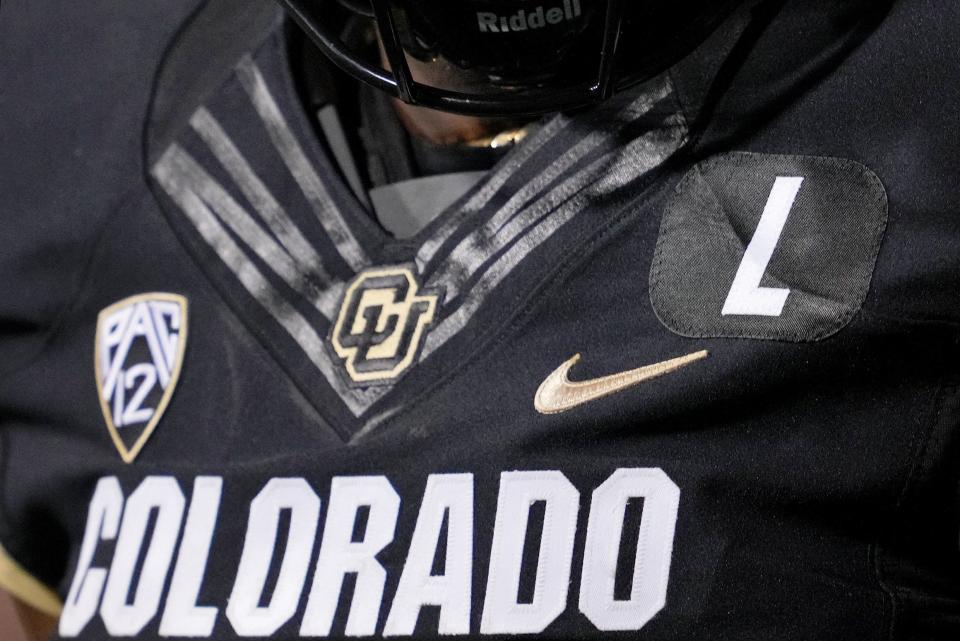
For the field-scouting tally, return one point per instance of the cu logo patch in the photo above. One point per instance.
(139, 354)
(382, 324)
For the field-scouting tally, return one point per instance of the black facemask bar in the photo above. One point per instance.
(401, 83)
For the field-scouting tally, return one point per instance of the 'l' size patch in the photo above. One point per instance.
(140, 345)
(768, 247)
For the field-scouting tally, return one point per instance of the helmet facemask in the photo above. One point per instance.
(511, 57)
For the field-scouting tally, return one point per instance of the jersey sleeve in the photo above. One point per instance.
(69, 166)
(14, 577)
(24, 587)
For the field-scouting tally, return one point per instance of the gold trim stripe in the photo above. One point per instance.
(22, 585)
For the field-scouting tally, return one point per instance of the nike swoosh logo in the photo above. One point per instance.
(558, 393)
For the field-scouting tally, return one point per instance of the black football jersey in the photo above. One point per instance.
(680, 366)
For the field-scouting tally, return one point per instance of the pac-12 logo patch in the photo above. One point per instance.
(382, 323)
(139, 354)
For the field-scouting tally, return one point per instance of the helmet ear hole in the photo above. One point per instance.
(362, 7)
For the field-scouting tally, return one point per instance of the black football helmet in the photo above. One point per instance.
(509, 57)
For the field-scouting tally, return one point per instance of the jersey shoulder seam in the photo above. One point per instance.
(85, 262)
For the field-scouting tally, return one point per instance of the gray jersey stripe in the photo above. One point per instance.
(511, 221)
(476, 249)
(257, 193)
(629, 114)
(299, 165)
(184, 170)
(169, 172)
(655, 92)
(638, 158)
(489, 188)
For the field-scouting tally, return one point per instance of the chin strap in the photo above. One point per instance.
(501, 140)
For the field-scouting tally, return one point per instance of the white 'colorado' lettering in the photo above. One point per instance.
(129, 598)
(502, 614)
(103, 522)
(183, 617)
(340, 555)
(157, 493)
(245, 613)
(651, 568)
(450, 495)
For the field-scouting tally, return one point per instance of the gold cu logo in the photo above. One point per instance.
(382, 324)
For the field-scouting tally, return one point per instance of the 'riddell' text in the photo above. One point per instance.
(524, 20)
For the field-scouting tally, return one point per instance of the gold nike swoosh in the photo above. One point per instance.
(558, 393)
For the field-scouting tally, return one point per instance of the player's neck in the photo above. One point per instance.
(443, 129)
